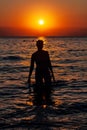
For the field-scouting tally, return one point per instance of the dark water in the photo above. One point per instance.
(69, 61)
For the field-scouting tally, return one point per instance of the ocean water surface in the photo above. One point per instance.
(69, 60)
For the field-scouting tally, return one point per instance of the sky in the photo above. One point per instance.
(59, 17)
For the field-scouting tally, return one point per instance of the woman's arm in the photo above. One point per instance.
(50, 67)
(31, 69)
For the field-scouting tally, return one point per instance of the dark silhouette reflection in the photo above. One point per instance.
(43, 75)
(42, 96)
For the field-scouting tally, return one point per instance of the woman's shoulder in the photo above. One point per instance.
(45, 51)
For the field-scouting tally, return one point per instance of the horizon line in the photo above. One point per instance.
(41, 36)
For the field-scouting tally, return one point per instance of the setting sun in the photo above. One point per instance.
(41, 22)
(43, 18)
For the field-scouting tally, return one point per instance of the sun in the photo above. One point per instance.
(41, 22)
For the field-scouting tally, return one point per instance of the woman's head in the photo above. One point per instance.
(39, 44)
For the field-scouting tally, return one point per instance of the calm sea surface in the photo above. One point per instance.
(69, 60)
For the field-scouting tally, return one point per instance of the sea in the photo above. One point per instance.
(68, 57)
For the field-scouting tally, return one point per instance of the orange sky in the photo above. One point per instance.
(61, 18)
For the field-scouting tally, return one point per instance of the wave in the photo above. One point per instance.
(13, 58)
(69, 61)
(77, 50)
